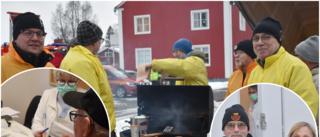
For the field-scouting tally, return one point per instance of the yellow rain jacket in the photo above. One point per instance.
(12, 63)
(192, 69)
(80, 61)
(284, 69)
(236, 80)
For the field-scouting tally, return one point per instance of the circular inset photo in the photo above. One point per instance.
(263, 110)
(50, 102)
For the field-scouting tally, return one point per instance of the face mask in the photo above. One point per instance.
(63, 89)
(254, 97)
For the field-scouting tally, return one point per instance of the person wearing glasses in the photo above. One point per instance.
(82, 61)
(90, 118)
(276, 65)
(235, 122)
(26, 50)
(244, 60)
(188, 64)
(52, 112)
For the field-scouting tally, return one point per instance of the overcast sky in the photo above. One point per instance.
(103, 10)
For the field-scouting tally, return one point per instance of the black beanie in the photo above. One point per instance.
(269, 25)
(25, 21)
(247, 47)
(235, 113)
(88, 33)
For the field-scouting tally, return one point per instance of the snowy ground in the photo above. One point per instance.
(126, 114)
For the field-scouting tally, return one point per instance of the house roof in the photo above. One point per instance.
(104, 48)
(299, 19)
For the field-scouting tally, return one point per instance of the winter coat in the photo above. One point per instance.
(47, 112)
(236, 79)
(80, 61)
(12, 63)
(286, 70)
(315, 77)
(192, 68)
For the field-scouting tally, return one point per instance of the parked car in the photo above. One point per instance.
(122, 84)
(131, 72)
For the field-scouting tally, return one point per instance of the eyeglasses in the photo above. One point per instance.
(175, 51)
(241, 126)
(74, 114)
(102, 40)
(70, 83)
(29, 34)
(264, 38)
(237, 52)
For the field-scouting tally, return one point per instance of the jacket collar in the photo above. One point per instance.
(29, 58)
(267, 62)
(82, 49)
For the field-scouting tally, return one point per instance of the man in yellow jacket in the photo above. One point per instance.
(275, 65)
(188, 64)
(26, 50)
(82, 61)
(244, 59)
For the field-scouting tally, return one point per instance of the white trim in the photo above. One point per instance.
(121, 56)
(192, 19)
(209, 53)
(136, 55)
(135, 24)
(227, 27)
(242, 22)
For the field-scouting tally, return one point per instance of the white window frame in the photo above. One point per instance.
(242, 22)
(192, 19)
(209, 54)
(110, 54)
(136, 55)
(136, 23)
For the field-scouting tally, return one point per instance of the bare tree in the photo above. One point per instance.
(64, 22)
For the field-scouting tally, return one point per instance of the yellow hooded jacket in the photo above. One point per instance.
(80, 61)
(12, 63)
(284, 69)
(192, 69)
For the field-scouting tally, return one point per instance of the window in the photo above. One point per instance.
(143, 55)
(108, 54)
(242, 22)
(142, 24)
(206, 50)
(200, 19)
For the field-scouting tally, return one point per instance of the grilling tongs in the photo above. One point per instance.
(168, 129)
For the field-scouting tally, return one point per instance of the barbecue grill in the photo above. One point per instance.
(188, 109)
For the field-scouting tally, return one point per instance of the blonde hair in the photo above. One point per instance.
(57, 73)
(299, 125)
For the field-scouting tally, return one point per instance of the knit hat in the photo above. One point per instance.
(309, 49)
(235, 113)
(25, 21)
(247, 47)
(90, 102)
(88, 33)
(269, 25)
(183, 44)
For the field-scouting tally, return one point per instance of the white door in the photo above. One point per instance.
(269, 106)
(281, 109)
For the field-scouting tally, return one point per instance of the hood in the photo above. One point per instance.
(199, 54)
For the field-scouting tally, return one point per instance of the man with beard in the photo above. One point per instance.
(244, 59)
(235, 122)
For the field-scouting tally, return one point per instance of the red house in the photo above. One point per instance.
(148, 30)
(109, 56)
